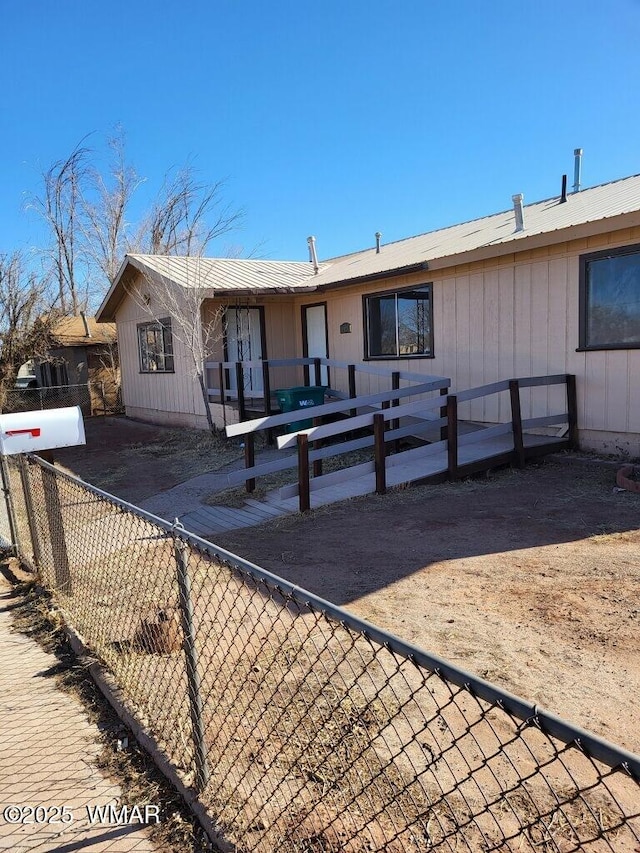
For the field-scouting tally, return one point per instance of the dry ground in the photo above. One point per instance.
(134, 460)
(529, 578)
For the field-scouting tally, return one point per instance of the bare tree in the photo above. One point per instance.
(26, 319)
(183, 305)
(87, 210)
(187, 216)
(109, 374)
(61, 207)
(105, 207)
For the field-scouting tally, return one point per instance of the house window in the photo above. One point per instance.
(610, 299)
(155, 347)
(399, 325)
(53, 374)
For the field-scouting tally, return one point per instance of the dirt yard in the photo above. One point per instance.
(134, 460)
(529, 578)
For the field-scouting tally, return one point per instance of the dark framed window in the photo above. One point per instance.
(399, 324)
(610, 299)
(54, 374)
(155, 346)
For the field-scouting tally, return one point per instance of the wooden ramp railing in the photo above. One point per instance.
(232, 381)
(227, 380)
(453, 456)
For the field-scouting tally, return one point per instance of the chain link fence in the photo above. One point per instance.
(94, 398)
(301, 727)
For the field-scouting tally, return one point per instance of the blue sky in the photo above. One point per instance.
(335, 118)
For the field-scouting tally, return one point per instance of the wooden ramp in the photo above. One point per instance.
(419, 465)
(207, 520)
(380, 422)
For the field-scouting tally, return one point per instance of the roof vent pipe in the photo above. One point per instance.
(378, 237)
(519, 211)
(577, 170)
(563, 194)
(312, 253)
(87, 330)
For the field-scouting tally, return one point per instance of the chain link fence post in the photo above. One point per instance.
(11, 513)
(55, 522)
(31, 515)
(181, 551)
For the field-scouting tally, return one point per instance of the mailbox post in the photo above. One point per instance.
(33, 432)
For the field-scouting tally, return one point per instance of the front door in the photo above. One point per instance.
(315, 338)
(243, 338)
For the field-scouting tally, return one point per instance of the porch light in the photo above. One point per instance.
(345, 328)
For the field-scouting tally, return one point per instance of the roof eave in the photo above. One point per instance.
(88, 342)
(107, 309)
(263, 291)
(106, 313)
(361, 279)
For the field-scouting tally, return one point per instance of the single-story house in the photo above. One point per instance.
(84, 353)
(545, 288)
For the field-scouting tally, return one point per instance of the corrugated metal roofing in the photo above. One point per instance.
(232, 274)
(589, 205)
(435, 248)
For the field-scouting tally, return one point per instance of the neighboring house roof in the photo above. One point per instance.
(71, 332)
(545, 222)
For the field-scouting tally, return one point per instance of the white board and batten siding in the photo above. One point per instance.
(502, 318)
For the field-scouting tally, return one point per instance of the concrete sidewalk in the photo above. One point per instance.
(48, 753)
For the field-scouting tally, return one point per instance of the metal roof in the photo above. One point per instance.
(489, 236)
(229, 274)
(498, 230)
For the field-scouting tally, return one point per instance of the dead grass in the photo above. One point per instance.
(311, 742)
(296, 752)
(194, 451)
(182, 454)
(237, 495)
(560, 824)
(309, 757)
